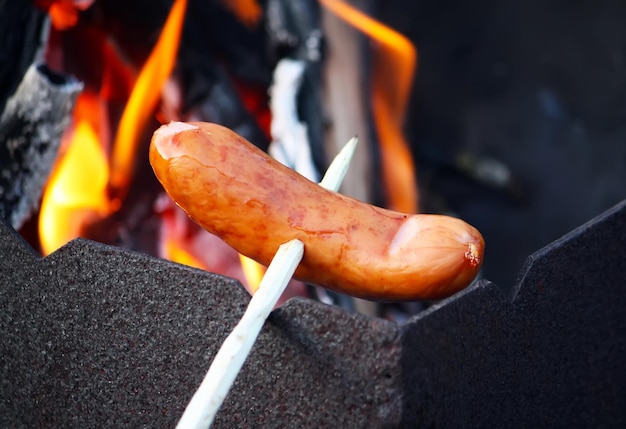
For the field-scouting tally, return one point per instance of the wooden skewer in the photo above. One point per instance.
(339, 167)
(204, 404)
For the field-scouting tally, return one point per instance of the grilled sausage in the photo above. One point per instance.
(254, 203)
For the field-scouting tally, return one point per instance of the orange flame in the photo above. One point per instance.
(247, 11)
(63, 13)
(394, 66)
(175, 252)
(84, 170)
(252, 271)
(144, 98)
(77, 192)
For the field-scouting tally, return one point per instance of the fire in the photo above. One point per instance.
(63, 13)
(87, 184)
(247, 11)
(83, 169)
(394, 65)
(252, 271)
(90, 181)
(175, 252)
(144, 98)
(78, 191)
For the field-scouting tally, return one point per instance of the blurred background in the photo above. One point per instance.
(533, 90)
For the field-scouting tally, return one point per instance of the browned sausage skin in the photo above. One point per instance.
(236, 191)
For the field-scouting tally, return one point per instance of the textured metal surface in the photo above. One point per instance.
(552, 356)
(96, 336)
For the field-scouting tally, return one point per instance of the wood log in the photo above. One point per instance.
(22, 31)
(31, 126)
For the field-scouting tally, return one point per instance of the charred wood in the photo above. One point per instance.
(31, 126)
(22, 28)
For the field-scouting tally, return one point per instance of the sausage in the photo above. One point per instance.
(254, 203)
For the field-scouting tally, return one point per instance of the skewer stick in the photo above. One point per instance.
(339, 167)
(204, 404)
(230, 358)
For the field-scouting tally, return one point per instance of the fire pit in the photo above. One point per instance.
(97, 334)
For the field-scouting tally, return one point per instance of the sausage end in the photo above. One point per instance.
(164, 139)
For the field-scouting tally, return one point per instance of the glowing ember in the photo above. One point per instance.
(247, 11)
(393, 69)
(63, 13)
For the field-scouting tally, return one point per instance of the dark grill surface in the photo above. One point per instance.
(96, 336)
